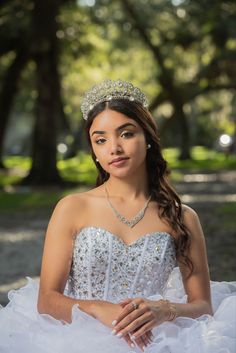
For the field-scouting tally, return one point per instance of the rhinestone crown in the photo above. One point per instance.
(108, 90)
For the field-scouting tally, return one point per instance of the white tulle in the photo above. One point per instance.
(23, 330)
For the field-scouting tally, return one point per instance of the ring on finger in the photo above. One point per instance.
(135, 305)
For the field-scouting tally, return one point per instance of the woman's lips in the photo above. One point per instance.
(118, 161)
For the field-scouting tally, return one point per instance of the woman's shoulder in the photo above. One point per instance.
(191, 220)
(188, 212)
(79, 200)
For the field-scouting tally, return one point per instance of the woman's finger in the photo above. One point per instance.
(144, 329)
(127, 317)
(127, 309)
(142, 342)
(129, 341)
(132, 322)
(124, 302)
(150, 335)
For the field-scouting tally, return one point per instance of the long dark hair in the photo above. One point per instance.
(170, 207)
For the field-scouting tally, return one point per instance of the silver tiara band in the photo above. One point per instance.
(108, 90)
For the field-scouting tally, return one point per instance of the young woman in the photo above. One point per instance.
(124, 266)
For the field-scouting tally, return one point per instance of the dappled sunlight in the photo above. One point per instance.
(209, 177)
(19, 236)
(81, 169)
(199, 178)
(206, 198)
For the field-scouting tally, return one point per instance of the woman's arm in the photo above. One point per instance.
(197, 286)
(56, 262)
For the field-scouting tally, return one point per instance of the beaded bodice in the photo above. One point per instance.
(105, 268)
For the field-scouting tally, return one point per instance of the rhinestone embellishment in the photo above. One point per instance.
(105, 268)
(132, 222)
(108, 90)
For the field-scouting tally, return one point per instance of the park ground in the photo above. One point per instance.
(211, 194)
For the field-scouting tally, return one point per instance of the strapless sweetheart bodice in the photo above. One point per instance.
(105, 268)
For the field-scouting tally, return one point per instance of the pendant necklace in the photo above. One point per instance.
(130, 223)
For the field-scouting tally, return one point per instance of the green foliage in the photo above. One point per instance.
(29, 200)
(195, 39)
(203, 160)
(186, 37)
(81, 169)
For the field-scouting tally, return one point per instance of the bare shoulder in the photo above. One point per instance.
(189, 213)
(77, 202)
(191, 220)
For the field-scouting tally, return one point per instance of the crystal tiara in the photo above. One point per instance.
(108, 90)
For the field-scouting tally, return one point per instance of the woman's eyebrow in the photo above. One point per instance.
(125, 125)
(98, 132)
(101, 132)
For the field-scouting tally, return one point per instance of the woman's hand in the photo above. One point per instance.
(142, 341)
(139, 316)
(106, 313)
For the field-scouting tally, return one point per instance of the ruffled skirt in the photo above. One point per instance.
(23, 330)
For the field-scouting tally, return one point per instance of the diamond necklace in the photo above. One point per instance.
(130, 223)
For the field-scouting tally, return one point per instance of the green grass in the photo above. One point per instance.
(203, 159)
(81, 170)
(226, 212)
(228, 209)
(78, 170)
(28, 200)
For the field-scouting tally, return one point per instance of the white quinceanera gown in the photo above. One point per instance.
(105, 268)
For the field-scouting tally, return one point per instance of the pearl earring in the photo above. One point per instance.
(148, 146)
(97, 160)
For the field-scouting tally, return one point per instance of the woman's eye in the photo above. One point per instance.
(127, 134)
(100, 141)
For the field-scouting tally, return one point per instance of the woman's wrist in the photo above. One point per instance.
(89, 306)
(93, 308)
(171, 310)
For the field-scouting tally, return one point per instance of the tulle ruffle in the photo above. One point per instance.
(23, 330)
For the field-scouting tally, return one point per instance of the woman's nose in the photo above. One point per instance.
(115, 147)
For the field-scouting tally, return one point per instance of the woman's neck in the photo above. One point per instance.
(131, 189)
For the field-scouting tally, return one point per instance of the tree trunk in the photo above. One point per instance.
(48, 107)
(185, 136)
(8, 92)
(166, 79)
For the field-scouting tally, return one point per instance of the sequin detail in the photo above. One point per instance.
(105, 268)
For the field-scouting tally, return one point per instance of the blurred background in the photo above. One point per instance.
(181, 53)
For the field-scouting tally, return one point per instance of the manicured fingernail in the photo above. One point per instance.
(132, 345)
(113, 332)
(144, 348)
(119, 335)
(114, 323)
(133, 338)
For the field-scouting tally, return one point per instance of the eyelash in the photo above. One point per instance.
(127, 134)
(100, 141)
(124, 134)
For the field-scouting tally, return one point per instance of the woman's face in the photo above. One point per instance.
(118, 143)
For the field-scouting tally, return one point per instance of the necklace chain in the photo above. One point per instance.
(132, 222)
